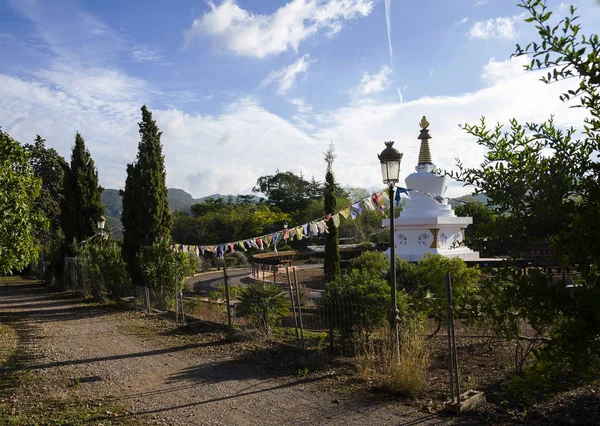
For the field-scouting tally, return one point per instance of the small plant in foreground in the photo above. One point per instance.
(265, 308)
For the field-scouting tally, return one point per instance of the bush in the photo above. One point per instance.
(103, 270)
(265, 308)
(424, 281)
(165, 270)
(357, 303)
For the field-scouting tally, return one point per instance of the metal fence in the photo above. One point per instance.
(318, 317)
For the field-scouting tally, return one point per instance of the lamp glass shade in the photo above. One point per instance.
(390, 171)
(390, 159)
(101, 222)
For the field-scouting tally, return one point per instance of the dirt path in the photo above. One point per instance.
(161, 376)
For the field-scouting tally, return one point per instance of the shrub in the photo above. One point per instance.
(103, 270)
(265, 308)
(424, 281)
(165, 270)
(357, 303)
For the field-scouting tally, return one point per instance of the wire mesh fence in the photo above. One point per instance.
(311, 314)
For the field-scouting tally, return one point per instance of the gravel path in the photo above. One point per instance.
(165, 377)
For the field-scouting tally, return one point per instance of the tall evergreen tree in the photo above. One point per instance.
(82, 195)
(332, 249)
(51, 167)
(146, 215)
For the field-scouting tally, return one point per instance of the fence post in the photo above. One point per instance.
(147, 297)
(454, 378)
(229, 323)
(287, 270)
(299, 309)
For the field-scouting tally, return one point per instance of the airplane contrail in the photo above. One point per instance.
(388, 20)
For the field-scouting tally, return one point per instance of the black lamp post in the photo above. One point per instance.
(101, 222)
(390, 159)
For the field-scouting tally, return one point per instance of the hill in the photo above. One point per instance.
(179, 201)
(468, 199)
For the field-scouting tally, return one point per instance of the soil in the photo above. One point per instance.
(134, 368)
(160, 374)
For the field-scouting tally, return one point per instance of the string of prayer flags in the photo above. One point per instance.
(322, 226)
(345, 213)
(267, 240)
(305, 229)
(241, 245)
(378, 199)
(368, 204)
(299, 232)
(400, 191)
(231, 247)
(259, 243)
(336, 220)
(292, 233)
(276, 237)
(313, 230)
(286, 234)
(356, 210)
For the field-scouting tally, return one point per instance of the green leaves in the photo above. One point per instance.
(82, 195)
(19, 219)
(146, 215)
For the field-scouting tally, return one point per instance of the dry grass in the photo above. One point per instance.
(404, 374)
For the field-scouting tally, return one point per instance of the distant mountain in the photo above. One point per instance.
(468, 199)
(179, 200)
(113, 204)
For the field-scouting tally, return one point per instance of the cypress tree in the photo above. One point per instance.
(146, 215)
(332, 249)
(82, 195)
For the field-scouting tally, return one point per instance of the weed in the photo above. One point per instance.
(402, 374)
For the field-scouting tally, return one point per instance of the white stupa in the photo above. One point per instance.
(427, 224)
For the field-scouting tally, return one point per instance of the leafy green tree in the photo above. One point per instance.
(331, 264)
(542, 182)
(50, 167)
(215, 221)
(265, 308)
(82, 195)
(20, 220)
(478, 234)
(146, 216)
(285, 190)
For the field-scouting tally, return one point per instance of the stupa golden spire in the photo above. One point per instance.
(424, 152)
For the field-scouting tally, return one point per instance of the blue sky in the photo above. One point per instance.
(243, 88)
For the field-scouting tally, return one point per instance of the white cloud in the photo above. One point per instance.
(375, 83)
(227, 151)
(247, 34)
(285, 78)
(142, 53)
(301, 105)
(462, 21)
(499, 28)
(479, 3)
(495, 72)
